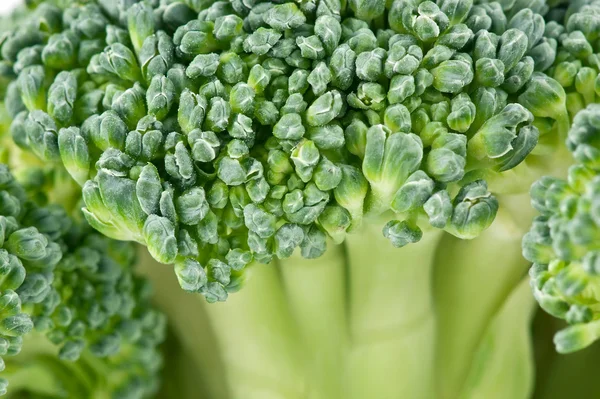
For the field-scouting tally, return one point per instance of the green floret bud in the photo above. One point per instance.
(329, 31)
(227, 27)
(342, 65)
(446, 162)
(402, 233)
(327, 137)
(500, 137)
(532, 24)
(369, 65)
(74, 154)
(401, 87)
(452, 76)
(259, 78)
(261, 41)
(310, 47)
(462, 114)
(130, 105)
(203, 65)
(159, 235)
(37, 132)
(140, 22)
(156, 55)
(116, 62)
(389, 160)
(367, 9)
(106, 130)
(284, 16)
(402, 59)
(62, 95)
(489, 72)
(289, 127)
(191, 112)
(31, 83)
(241, 98)
(439, 209)
(191, 275)
(61, 51)
(547, 91)
(195, 37)
(324, 109)
(318, 79)
(414, 193)
(474, 211)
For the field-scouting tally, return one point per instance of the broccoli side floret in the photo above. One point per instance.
(563, 241)
(72, 302)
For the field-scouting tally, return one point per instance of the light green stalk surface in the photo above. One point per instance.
(437, 319)
(472, 281)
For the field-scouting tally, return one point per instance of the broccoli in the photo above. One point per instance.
(70, 303)
(357, 170)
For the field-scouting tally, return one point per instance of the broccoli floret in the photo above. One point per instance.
(71, 294)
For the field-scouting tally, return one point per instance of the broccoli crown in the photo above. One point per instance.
(77, 290)
(217, 133)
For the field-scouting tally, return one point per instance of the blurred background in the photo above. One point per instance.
(7, 5)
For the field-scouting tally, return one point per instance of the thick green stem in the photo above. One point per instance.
(316, 293)
(258, 340)
(502, 366)
(392, 323)
(472, 280)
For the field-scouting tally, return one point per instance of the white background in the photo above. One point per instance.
(7, 5)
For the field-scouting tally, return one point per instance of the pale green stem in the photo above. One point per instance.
(392, 323)
(472, 279)
(316, 294)
(258, 339)
(503, 363)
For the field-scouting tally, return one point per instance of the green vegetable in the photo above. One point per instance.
(71, 304)
(357, 170)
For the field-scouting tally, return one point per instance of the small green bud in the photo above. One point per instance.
(329, 30)
(402, 233)
(203, 65)
(414, 193)
(324, 109)
(74, 154)
(474, 211)
(327, 137)
(342, 65)
(311, 47)
(289, 127)
(190, 274)
(140, 22)
(261, 41)
(452, 76)
(192, 110)
(439, 209)
(285, 16)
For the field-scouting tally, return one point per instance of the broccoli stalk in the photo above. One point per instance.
(350, 332)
